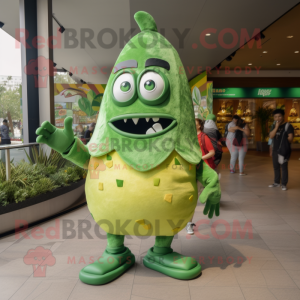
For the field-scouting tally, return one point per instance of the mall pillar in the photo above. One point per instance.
(46, 88)
(37, 82)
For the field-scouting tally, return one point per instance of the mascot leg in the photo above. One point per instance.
(115, 261)
(161, 258)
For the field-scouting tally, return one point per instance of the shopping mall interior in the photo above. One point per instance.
(83, 140)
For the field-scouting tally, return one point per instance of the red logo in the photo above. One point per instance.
(41, 68)
(39, 258)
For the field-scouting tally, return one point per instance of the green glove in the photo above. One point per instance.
(58, 139)
(212, 191)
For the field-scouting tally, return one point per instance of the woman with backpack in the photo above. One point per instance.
(208, 153)
(282, 135)
(207, 149)
(211, 130)
(237, 143)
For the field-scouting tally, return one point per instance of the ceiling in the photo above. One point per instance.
(193, 15)
(280, 49)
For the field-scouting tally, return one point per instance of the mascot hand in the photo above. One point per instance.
(211, 208)
(58, 139)
(211, 194)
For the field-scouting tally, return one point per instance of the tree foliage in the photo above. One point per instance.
(10, 102)
(263, 115)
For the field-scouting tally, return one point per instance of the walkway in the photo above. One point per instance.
(258, 261)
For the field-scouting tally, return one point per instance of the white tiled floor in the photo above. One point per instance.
(265, 265)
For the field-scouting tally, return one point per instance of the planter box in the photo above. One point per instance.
(262, 146)
(41, 207)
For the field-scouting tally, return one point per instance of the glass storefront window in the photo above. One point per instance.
(11, 88)
(80, 101)
(245, 108)
(293, 112)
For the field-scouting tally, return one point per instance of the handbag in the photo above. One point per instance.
(284, 154)
(239, 138)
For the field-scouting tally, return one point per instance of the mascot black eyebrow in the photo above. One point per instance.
(143, 158)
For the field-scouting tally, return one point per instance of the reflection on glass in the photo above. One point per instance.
(79, 101)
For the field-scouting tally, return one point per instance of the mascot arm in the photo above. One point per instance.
(78, 153)
(64, 142)
(211, 194)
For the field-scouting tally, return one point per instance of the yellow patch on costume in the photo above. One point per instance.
(109, 164)
(100, 186)
(141, 222)
(168, 198)
(147, 226)
(176, 230)
(191, 198)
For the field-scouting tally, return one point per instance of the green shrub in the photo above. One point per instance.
(51, 169)
(72, 174)
(60, 178)
(8, 189)
(43, 185)
(3, 200)
(20, 195)
(41, 175)
(2, 172)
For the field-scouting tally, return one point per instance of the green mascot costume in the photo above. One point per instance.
(143, 159)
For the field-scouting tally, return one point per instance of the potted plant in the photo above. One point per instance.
(41, 174)
(263, 115)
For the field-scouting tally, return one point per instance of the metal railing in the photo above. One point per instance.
(7, 149)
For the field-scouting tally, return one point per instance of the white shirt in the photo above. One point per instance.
(230, 135)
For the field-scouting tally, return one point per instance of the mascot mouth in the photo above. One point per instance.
(142, 125)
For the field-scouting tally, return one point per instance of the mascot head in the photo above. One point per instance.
(146, 111)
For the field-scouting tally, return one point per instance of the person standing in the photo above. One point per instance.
(237, 143)
(5, 139)
(282, 136)
(89, 132)
(211, 130)
(270, 141)
(229, 135)
(208, 153)
(207, 149)
(80, 131)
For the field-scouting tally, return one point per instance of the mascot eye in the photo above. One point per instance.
(123, 88)
(151, 86)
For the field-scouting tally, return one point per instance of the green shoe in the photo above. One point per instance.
(172, 264)
(107, 268)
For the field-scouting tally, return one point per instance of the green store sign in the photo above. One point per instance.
(256, 93)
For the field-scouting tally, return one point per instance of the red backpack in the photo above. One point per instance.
(203, 135)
